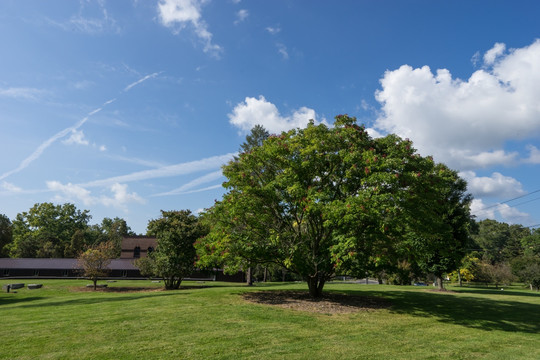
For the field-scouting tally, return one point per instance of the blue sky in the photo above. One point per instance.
(125, 108)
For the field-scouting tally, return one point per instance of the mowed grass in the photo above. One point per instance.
(215, 322)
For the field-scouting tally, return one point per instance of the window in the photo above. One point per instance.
(150, 250)
(137, 252)
(6, 272)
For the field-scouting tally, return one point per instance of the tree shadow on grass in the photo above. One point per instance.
(15, 300)
(474, 312)
(494, 291)
(86, 300)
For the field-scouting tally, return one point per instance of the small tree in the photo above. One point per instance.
(175, 256)
(94, 262)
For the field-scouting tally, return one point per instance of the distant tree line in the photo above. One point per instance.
(57, 231)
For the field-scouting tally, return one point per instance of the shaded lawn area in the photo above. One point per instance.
(215, 321)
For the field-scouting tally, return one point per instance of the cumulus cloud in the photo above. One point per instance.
(179, 14)
(241, 15)
(121, 197)
(503, 212)
(496, 51)
(497, 185)
(465, 123)
(77, 138)
(534, 155)
(255, 111)
(71, 192)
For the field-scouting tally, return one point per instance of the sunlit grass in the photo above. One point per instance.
(212, 321)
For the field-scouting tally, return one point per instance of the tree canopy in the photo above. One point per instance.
(175, 256)
(323, 201)
(46, 230)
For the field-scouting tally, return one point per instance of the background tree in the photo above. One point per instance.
(5, 235)
(46, 230)
(95, 261)
(527, 269)
(175, 256)
(321, 201)
(114, 230)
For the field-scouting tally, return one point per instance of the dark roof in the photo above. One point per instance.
(8, 263)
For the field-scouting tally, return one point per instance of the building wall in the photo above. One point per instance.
(131, 244)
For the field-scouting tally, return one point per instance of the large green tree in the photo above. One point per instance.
(46, 230)
(323, 201)
(5, 234)
(175, 256)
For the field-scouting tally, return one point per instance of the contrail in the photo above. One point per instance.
(41, 148)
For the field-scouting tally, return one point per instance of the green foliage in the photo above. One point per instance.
(527, 269)
(175, 255)
(5, 235)
(323, 201)
(95, 260)
(499, 242)
(46, 230)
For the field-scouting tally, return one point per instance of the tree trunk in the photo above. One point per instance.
(249, 278)
(265, 274)
(440, 283)
(315, 286)
(95, 284)
(459, 278)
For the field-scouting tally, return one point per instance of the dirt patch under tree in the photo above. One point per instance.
(329, 303)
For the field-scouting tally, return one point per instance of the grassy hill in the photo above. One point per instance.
(136, 320)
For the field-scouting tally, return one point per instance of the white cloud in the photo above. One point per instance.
(121, 197)
(534, 155)
(102, 148)
(497, 185)
(513, 215)
(501, 212)
(491, 55)
(273, 29)
(178, 14)
(71, 192)
(241, 15)
(282, 49)
(255, 111)
(465, 123)
(481, 210)
(10, 187)
(21, 93)
(77, 138)
(214, 162)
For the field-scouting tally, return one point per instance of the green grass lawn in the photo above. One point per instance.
(215, 322)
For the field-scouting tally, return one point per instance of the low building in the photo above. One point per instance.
(135, 247)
